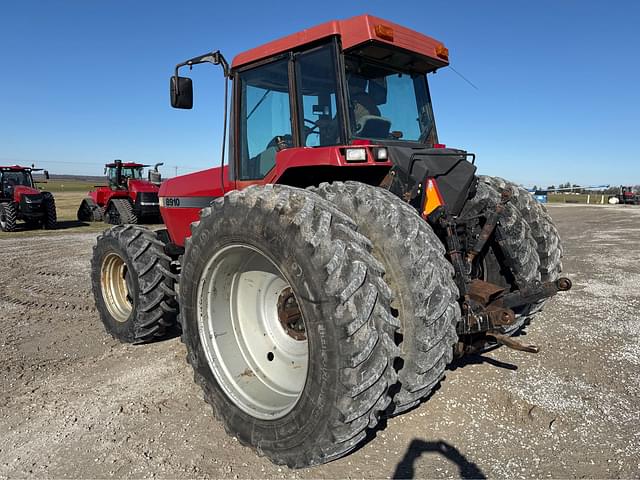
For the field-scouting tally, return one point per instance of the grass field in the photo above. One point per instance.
(580, 198)
(66, 185)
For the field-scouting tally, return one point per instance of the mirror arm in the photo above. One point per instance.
(215, 58)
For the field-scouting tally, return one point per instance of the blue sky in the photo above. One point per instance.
(557, 99)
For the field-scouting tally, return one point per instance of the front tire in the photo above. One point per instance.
(8, 216)
(50, 221)
(256, 245)
(425, 295)
(133, 285)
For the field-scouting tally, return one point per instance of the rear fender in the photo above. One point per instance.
(453, 173)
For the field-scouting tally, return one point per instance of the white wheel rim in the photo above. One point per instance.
(259, 360)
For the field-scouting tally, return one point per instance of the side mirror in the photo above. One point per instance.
(46, 174)
(181, 89)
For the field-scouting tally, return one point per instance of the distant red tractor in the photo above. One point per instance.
(127, 199)
(625, 196)
(21, 200)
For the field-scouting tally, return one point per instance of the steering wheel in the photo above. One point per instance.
(315, 126)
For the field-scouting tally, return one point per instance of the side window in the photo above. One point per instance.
(317, 87)
(265, 118)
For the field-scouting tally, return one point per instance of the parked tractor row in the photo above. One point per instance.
(328, 274)
(126, 199)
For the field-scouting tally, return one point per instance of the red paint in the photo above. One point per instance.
(352, 32)
(14, 168)
(439, 145)
(103, 195)
(20, 190)
(207, 182)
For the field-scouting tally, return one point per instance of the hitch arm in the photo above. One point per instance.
(533, 294)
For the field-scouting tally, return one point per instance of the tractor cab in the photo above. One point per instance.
(12, 177)
(360, 81)
(119, 173)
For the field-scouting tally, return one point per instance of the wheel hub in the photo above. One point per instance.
(290, 315)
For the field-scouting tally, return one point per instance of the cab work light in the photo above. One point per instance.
(442, 52)
(384, 32)
(381, 154)
(432, 198)
(356, 154)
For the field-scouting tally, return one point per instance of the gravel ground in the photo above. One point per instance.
(75, 403)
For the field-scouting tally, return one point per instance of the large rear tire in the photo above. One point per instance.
(8, 216)
(544, 231)
(425, 295)
(286, 320)
(133, 286)
(513, 260)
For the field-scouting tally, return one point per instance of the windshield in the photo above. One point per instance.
(388, 104)
(16, 178)
(132, 172)
(127, 172)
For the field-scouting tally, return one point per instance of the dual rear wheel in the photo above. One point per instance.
(306, 314)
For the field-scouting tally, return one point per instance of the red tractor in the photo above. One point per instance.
(344, 256)
(128, 198)
(626, 196)
(21, 200)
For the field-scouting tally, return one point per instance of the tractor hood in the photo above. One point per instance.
(136, 186)
(20, 190)
(453, 173)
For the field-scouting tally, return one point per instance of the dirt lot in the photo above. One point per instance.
(75, 403)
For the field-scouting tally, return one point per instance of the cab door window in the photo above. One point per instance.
(265, 118)
(317, 97)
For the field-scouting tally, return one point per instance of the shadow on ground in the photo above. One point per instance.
(407, 468)
(477, 359)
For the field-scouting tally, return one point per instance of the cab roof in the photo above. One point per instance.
(15, 168)
(353, 32)
(126, 165)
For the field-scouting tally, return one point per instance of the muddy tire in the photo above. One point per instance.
(326, 376)
(544, 231)
(50, 220)
(133, 286)
(120, 212)
(425, 295)
(511, 261)
(8, 216)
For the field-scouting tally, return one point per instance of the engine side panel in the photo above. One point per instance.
(182, 198)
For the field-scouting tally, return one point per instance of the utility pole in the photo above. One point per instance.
(176, 170)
